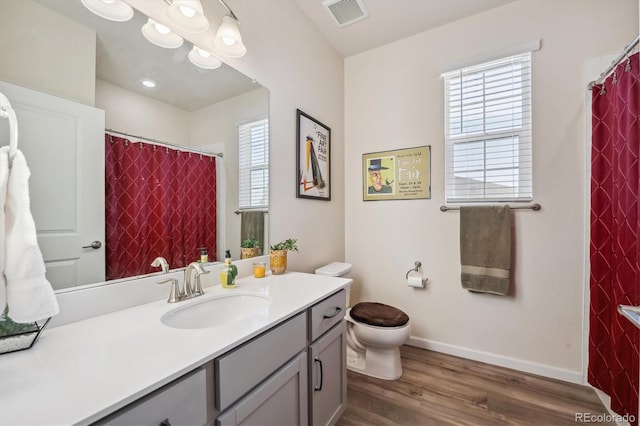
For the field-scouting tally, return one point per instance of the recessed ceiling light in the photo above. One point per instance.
(148, 83)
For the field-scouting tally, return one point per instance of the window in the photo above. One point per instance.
(253, 182)
(488, 132)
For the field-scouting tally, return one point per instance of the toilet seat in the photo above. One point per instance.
(378, 314)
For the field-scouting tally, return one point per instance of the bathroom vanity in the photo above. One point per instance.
(284, 363)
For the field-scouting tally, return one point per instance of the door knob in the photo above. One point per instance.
(94, 245)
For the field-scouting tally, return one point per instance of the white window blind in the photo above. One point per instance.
(253, 154)
(488, 132)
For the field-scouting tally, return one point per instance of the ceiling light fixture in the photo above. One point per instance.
(113, 10)
(228, 39)
(148, 83)
(188, 15)
(160, 35)
(203, 59)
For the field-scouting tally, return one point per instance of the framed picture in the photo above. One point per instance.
(313, 152)
(403, 174)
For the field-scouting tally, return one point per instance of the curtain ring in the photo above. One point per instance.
(603, 90)
(614, 80)
(627, 67)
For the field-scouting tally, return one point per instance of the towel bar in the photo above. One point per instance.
(534, 207)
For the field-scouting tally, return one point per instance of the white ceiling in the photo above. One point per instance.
(391, 20)
(124, 56)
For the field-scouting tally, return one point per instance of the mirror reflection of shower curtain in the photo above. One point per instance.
(252, 226)
(614, 343)
(159, 202)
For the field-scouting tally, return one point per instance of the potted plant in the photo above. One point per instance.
(249, 248)
(278, 255)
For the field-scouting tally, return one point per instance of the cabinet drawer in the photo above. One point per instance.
(183, 402)
(327, 313)
(240, 370)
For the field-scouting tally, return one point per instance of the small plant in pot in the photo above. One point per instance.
(249, 248)
(278, 255)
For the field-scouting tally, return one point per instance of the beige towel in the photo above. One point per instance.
(485, 248)
(252, 226)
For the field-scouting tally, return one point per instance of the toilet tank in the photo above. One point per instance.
(336, 269)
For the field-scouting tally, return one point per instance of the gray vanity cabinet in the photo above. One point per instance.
(327, 360)
(292, 374)
(182, 402)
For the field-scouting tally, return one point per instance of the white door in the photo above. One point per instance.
(63, 142)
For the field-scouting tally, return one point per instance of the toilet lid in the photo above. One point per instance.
(378, 314)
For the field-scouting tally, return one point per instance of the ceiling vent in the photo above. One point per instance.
(346, 12)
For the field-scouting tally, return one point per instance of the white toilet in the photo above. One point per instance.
(375, 332)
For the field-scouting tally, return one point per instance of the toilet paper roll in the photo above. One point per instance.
(415, 281)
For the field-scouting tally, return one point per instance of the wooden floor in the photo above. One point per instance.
(438, 389)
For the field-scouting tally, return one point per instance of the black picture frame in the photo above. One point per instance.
(313, 158)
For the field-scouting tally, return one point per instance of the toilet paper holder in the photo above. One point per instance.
(416, 268)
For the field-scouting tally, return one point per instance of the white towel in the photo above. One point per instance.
(29, 294)
(4, 178)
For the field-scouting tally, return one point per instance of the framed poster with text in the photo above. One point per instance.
(313, 152)
(403, 174)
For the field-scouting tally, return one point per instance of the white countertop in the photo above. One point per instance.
(83, 371)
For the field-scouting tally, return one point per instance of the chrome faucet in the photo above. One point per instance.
(161, 262)
(189, 290)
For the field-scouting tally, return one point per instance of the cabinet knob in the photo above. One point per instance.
(165, 422)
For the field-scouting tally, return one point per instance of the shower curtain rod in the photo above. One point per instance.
(167, 144)
(615, 63)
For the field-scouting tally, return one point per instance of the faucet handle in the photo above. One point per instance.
(197, 291)
(175, 295)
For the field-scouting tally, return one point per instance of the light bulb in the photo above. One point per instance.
(113, 10)
(187, 11)
(160, 35)
(188, 15)
(162, 29)
(148, 83)
(203, 59)
(229, 41)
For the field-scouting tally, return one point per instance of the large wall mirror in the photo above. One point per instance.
(190, 106)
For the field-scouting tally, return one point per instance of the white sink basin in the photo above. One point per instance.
(217, 310)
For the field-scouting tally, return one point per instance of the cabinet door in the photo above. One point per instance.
(281, 400)
(328, 387)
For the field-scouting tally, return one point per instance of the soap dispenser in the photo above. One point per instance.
(229, 273)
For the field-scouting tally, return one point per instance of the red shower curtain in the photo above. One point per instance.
(615, 236)
(159, 202)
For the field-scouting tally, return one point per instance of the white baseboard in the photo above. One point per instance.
(499, 360)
